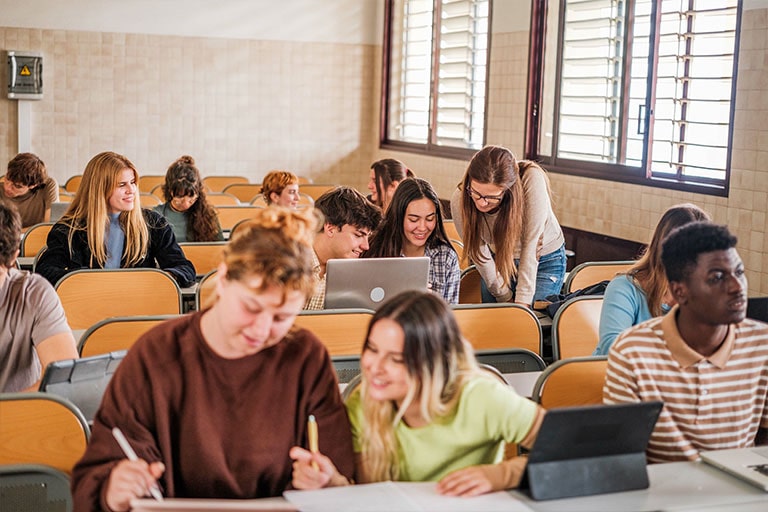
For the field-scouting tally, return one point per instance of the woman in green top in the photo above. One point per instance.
(424, 411)
(186, 206)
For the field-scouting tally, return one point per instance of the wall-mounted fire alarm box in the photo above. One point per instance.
(25, 75)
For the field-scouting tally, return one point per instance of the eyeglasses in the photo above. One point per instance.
(477, 196)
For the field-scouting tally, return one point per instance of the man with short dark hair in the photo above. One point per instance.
(705, 360)
(29, 188)
(349, 220)
(33, 328)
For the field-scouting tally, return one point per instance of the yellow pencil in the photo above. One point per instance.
(312, 434)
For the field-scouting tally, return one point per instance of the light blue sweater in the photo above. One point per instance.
(624, 305)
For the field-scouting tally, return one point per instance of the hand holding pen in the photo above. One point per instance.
(132, 477)
(311, 469)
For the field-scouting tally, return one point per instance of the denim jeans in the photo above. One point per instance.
(549, 277)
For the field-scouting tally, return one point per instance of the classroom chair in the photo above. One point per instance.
(82, 381)
(315, 190)
(571, 382)
(459, 248)
(117, 333)
(206, 290)
(346, 367)
(91, 295)
(511, 360)
(592, 272)
(469, 286)
(342, 331)
(34, 488)
(41, 428)
(231, 215)
(34, 239)
(149, 200)
(576, 327)
(219, 183)
(65, 197)
(205, 256)
(222, 199)
(244, 192)
(304, 180)
(148, 182)
(59, 208)
(497, 326)
(73, 183)
(450, 229)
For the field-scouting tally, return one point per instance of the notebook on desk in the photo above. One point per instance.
(748, 464)
(580, 451)
(369, 282)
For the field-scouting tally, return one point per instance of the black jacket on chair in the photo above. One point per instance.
(163, 252)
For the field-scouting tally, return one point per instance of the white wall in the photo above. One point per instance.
(327, 21)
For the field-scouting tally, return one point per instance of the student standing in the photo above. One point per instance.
(212, 401)
(29, 188)
(642, 292)
(105, 227)
(413, 226)
(186, 206)
(424, 411)
(33, 328)
(503, 211)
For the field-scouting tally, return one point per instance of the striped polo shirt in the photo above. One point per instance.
(710, 403)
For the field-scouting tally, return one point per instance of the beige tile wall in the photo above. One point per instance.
(631, 211)
(236, 106)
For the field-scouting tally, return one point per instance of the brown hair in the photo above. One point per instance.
(388, 171)
(181, 180)
(28, 170)
(10, 234)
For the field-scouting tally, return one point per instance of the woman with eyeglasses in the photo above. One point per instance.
(502, 210)
(186, 206)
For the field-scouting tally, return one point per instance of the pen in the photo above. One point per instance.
(128, 451)
(312, 434)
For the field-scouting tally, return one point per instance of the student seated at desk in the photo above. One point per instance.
(186, 206)
(212, 401)
(425, 411)
(33, 328)
(704, 359)
(29, 188)
(281, 188)
(105, 227)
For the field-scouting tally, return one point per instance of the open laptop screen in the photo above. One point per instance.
(369, 282)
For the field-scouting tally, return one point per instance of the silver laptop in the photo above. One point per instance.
(369, 282)
(748, 464)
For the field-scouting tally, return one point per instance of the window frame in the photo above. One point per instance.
(430, 148)
(606, 171)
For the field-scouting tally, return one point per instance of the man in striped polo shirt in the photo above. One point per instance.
(705, 360)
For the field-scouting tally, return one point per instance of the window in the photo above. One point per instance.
(636, 90)
(436, 55)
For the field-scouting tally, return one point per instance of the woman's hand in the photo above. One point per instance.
(470, 481)
(129, 480)
(305, 476)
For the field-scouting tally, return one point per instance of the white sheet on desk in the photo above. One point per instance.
(398, 497)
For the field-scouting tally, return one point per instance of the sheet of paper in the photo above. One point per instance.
(208, 505)
(398, 497)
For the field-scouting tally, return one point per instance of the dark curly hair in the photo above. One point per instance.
(183, 179)
(681, 249)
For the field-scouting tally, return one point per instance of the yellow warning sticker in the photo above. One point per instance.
(25, 71)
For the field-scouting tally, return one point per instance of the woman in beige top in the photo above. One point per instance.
(503, 211)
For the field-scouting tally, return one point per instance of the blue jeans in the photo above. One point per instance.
(549, 277)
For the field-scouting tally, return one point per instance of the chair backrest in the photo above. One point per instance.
(593, 272)
(34, 488)
(341, 330)
(511, 360)
(450, 229)
(304, 180)
(82, 381)
(219, 183)
(222, 199)
(495, 326)
(243, 191)
(73, 183)
(346, 367)
(40, 428)
(231, 215)
(149, 200)
(34, 239)
(116, 333)
(315, 190)
(459, 248)
(469, 286)
(148, 182)
(205, 256)
(571, 382)
(576, 327)
(92, 295)
(206, 289)
(64, 197)
(259, 200)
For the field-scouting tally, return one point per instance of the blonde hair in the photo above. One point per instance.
(89, 210)
(498, 166)
(439, 363)
(276, 181)
(275, 244)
